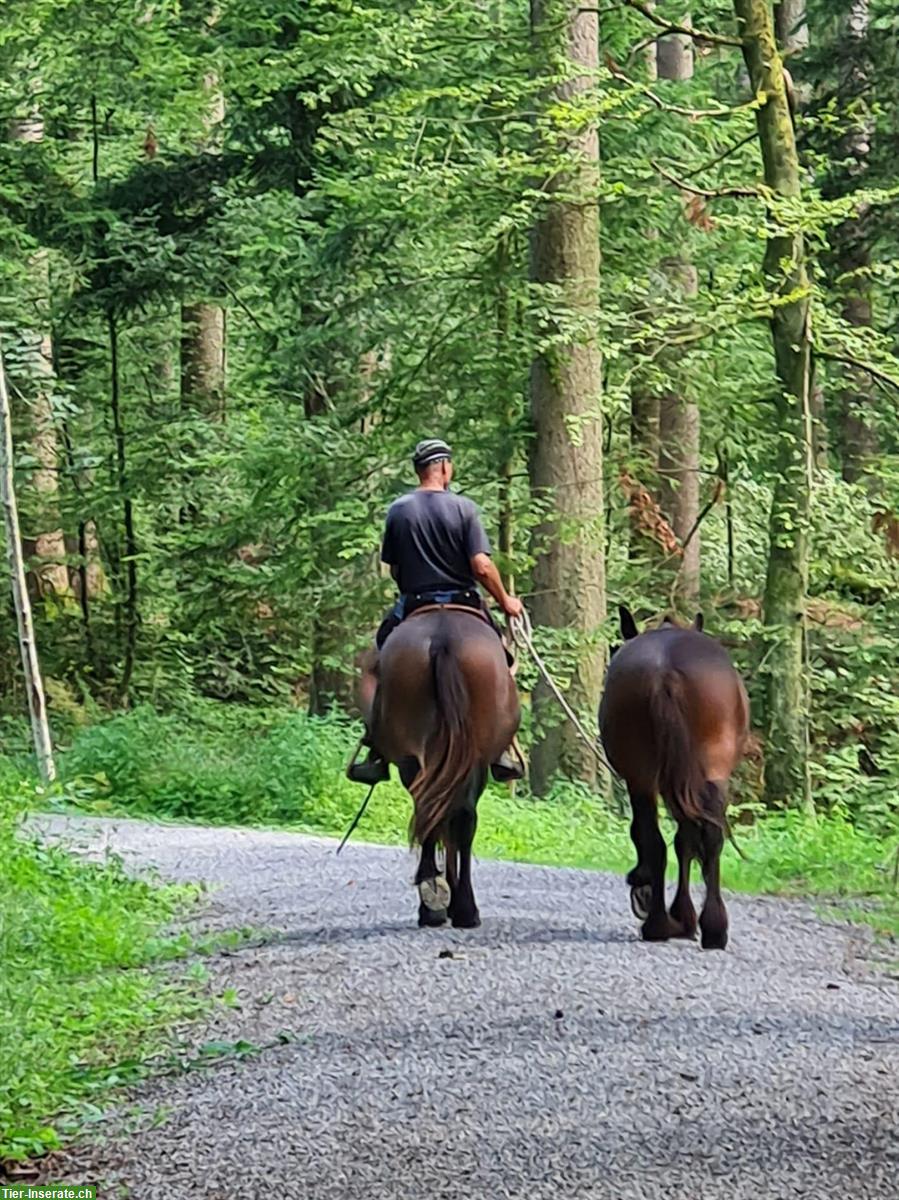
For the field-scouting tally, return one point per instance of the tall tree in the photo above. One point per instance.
(644, 398)
(786, 585)
(851, 240)
(566, 381)
(203, 323)
(44, 539)
(679, 421)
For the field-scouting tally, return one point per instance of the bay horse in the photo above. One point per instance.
(674, 720)
(446, 706)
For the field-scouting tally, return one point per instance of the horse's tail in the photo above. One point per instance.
(450, 754)
(681, 781)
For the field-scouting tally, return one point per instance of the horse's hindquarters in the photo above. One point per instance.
(408, 711)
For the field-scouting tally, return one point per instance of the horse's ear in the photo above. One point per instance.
(628, 624)
(699, 622)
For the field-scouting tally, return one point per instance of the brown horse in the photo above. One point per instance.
(445, 708)
(674, 720)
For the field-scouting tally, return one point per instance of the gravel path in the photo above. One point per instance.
(548, 1054)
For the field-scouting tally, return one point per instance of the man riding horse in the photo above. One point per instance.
(438, 553)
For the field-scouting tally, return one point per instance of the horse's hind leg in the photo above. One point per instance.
(463, 909)
(647, 879)
(686, 843)
(638, 878)
(713, 920)
(433, 889)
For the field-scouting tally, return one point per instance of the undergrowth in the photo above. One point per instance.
(234, 765)
(76, 997)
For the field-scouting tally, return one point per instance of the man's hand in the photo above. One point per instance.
(512, 606)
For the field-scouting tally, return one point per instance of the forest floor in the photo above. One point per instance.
(549, 1053)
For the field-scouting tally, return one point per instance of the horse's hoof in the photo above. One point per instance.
(660, 929)
(640, 898)
(467, 920)
(714, 939)
(435, 894)
(686, 919)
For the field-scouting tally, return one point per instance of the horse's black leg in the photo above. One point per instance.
(650, 870)
(713, 920)
(463, 909)
(686, 843)
(433, 891)
(638, 876)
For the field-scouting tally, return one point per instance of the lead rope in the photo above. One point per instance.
(522, 634)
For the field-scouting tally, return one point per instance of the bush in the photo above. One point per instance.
(75, 997)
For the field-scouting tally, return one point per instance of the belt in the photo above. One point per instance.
(412, 600)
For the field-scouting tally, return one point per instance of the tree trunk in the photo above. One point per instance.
(793, 37)
(679, 422)
(508, 449)
(644, 398)
(665, 428)
(852, 248)
(679, 430)
(791, 26)
(203, 324)
(43, 542)
(203, 359)
(786, 585)
(128, 608)
(566, 385)
(31, 669)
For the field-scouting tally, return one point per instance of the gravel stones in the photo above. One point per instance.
(547, 1054)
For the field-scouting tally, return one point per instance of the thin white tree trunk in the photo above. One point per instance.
(31, 669)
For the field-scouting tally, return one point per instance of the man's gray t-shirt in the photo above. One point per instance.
(430, 539)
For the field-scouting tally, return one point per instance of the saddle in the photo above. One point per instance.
(466, 608)
(510, 648)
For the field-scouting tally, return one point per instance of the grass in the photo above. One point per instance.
(232, 765)
(82, 980)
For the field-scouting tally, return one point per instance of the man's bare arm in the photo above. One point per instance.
(488, 576)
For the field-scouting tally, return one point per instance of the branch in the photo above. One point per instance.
(707, 508)
(709, 194)
(693, 113)
(732, 149)
(850, 361)
(241, 304)
(698, 35)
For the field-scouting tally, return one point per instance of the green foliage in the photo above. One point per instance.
(76, 996)
(362, 212)
(236, 766)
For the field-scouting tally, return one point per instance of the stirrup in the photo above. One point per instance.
(370, 773)
(373, 770)
(510, 766)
